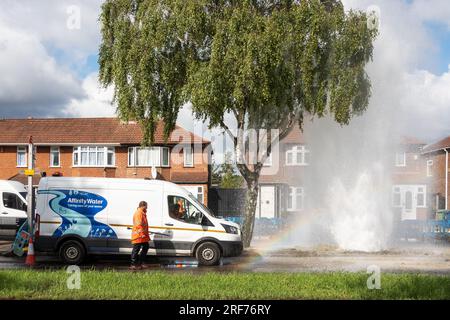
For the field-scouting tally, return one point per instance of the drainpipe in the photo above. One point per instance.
(446, 179)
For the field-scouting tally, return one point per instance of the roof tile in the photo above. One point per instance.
(441, 144)
(85, 130)
(189, 177)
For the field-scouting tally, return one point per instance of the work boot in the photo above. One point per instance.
(134, 268)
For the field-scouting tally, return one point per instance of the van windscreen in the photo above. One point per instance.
(195, 200)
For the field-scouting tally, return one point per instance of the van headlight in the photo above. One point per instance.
(230, 229)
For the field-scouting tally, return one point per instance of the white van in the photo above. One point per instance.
(81, 216)
(13, 208)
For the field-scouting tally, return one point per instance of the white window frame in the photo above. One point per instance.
(162, 157)
(298, 153)
(52, 150)
(22, 150)
(293, 193)
(77, 150)
(132, 151)
(186, 163)
(396, 190)
(424, 192)
(401, 163)
(429, 168)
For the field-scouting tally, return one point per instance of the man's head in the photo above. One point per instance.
(143, 205)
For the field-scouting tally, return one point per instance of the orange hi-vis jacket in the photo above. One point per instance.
(140, 233)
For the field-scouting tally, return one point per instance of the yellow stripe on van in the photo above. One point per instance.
(169, 228)
(150, 227)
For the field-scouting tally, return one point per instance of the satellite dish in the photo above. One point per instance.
(154, 172)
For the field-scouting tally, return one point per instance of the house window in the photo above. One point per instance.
(165, 157)
(297, 156)
(429, 168)
(295, 199)
(400, 159)
(93, 156)
(54, 157)
(396, 197)
(22, 156)
(188, 156)
(421, 197)
(148, 157)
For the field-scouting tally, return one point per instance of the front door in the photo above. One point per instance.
(408, 198)
(267, 202)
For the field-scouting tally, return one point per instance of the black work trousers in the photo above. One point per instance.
(136, 257)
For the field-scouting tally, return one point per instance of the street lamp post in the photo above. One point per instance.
(30, 174)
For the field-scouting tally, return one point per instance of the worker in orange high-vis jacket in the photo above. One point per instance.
(139, 237)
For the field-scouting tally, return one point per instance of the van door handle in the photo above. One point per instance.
(169, 224)
(4, 212)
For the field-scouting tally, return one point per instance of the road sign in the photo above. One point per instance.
(29, 172)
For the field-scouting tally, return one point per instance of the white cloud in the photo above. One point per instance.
(97, 102)
(426, 103)
(408, 99)
(437, 10)
(47, 20)
(31, 82)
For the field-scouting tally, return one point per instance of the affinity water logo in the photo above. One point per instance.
(77, 210)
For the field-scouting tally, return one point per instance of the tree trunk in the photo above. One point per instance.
(250, 209)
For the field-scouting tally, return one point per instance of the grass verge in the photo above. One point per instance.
(33, 284)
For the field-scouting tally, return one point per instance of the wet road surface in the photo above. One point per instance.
(434, 259)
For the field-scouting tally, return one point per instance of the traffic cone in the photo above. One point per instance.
(30, 260)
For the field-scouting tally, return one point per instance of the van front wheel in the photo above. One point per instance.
(72, 252)
(208, 254)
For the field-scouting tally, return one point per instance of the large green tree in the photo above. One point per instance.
(266, 63)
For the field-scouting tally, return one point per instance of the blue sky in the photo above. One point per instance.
(440, 33)
(47, 69)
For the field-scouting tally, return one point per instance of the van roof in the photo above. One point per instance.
(12, 185)
(107, 181)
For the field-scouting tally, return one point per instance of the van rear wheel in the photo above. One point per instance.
(208, 254)
(72, 252)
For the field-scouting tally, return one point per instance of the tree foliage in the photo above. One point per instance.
(268, 62)
(225, 175)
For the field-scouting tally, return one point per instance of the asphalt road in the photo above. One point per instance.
(415, 258)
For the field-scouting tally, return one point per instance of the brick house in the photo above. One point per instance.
(436, 156)
(104, 147)
(410, 182)
(284, 192)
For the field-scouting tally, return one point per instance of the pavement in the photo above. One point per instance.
(410, 258)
